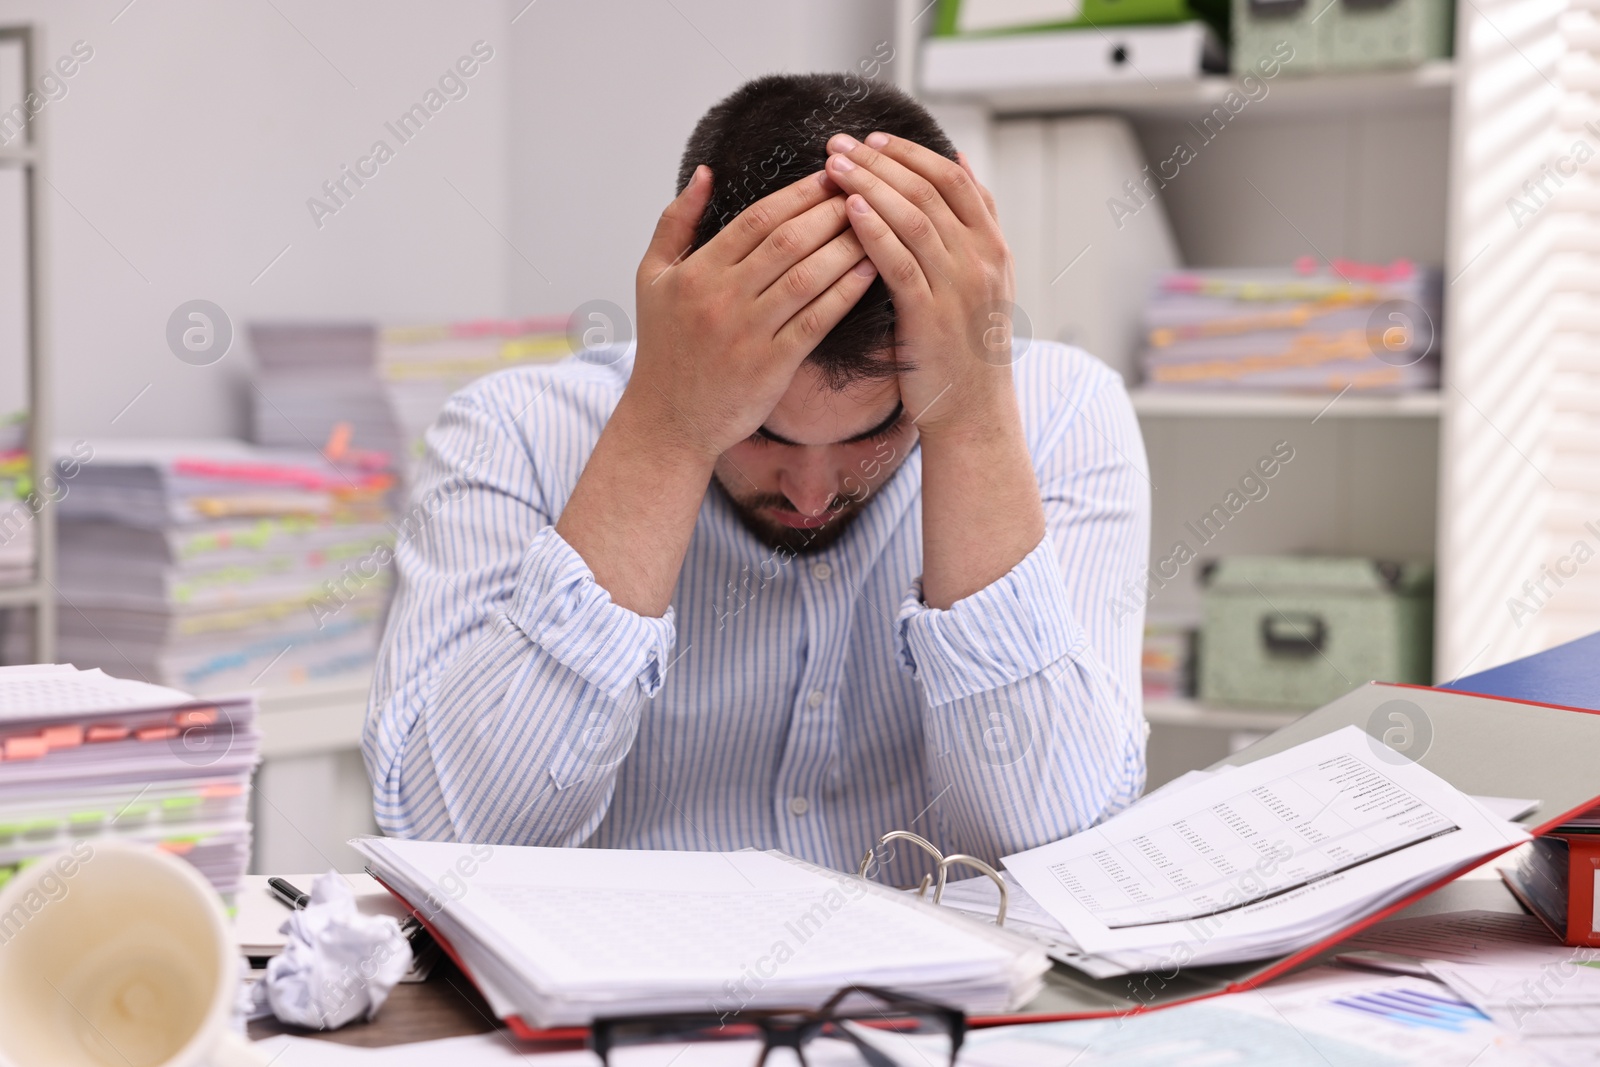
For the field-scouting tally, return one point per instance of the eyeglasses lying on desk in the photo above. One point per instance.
(858, 1025)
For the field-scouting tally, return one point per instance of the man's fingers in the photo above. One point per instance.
(901, 271)
(791, 243)
(988, 197)
(744, 233)
(917, 190)
(675, 231)
(954, 182)
(806, 280)
(812, 322)
(912, 225)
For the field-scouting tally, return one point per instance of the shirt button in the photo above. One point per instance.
(816, 698)
(799, 805)
(821, 571)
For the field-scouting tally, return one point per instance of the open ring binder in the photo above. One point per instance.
(943, 865)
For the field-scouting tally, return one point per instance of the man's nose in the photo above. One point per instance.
(808, 484)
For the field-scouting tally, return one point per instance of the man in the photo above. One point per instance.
(823, 555)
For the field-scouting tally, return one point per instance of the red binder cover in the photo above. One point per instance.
(1483, 745)
(1580, 924)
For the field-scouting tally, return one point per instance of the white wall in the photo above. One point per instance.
(604, 95)
(185, 150)
(182, 157)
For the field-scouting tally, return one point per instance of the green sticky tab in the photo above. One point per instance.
(179, 803)
(81, 817)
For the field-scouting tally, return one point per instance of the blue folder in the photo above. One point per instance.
(1568, 675)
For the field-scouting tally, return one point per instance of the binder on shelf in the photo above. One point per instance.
(1108, 55)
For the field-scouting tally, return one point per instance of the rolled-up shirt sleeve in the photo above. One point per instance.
(509, 684)
(1034, 719)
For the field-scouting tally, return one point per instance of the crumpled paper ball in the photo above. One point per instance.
(338, 964)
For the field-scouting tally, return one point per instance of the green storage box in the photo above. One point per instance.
(1333, 35)
(1299, 631)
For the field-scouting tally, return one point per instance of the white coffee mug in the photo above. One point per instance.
(117, 955)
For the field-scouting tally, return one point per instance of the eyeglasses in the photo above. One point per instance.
(858, 1025)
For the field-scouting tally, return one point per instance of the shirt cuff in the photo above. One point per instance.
(1014, 628)
(565, 612)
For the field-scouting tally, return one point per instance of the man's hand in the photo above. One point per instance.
(722, 332)
(932, 231)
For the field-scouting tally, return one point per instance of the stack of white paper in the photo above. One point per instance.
(563, 936)
(1267, 859)
(85, 757)
(216, 565)
(386, 385)
(1370, 329)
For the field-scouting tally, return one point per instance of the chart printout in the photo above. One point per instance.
(1318, 819)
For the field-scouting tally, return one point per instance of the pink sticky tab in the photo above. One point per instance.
(197, 717)
(156, 733)
(106, 732)
(63, 736)
(26, 747)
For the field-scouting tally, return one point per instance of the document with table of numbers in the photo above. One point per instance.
(1266, 859)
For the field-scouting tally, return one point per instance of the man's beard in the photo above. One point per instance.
(791, 539)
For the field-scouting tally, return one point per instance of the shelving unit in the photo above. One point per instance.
(1010, 91)
(1152, 402)
(1348, 165)
(28, 156)
(313, 718)
(1179, 711)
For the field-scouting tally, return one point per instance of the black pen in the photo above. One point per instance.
(288, 893)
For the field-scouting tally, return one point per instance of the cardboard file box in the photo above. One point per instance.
(1297, 632)
(1330, 35)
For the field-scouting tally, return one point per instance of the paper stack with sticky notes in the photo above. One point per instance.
(380, 388)
(560, 936)
(1361, 327)
(85, 757)
(16, 487)
(215, 565)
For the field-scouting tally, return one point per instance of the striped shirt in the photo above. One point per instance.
(807, 703)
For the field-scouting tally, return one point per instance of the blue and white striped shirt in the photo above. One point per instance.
(804, 703)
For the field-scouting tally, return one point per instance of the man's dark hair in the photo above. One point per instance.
(773, 131)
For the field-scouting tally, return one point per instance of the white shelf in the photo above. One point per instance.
(1175, 404)
(1180, 711)
(313, 718)
(1010, 88)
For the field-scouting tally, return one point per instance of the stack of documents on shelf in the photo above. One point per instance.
(382, 387)
(216, 565)
(559, 937)
(85, 757)
(1351, 326)
(16, 517)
